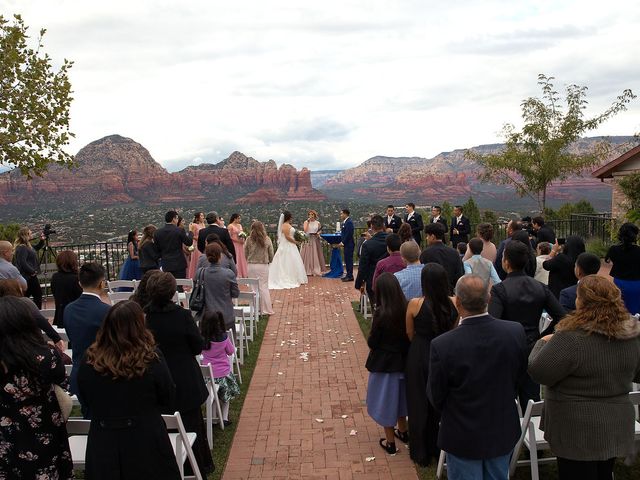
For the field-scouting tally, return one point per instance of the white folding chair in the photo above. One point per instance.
(115, 297)
(48, 313)
(240, 332)
(211, 401)
(635, 399)
(545, 321)
(184, 283)
(533, 439)
(113, 285)
(364, 305)
(182, 443)
(233, 359)
(254, 283)
(78, 430)
(249, 311)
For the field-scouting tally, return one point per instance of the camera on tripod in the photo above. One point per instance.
(47, 231)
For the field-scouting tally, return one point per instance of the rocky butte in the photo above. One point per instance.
(116, 170)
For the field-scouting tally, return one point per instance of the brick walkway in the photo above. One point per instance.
(298, 415)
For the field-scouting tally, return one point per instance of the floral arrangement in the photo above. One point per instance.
(299, 236)
(243, 235)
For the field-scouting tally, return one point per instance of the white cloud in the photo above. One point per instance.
(328, 84)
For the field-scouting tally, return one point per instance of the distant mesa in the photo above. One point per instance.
(116, 170)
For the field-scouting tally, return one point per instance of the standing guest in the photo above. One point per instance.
(388, 344)
(587, 368)
(543, 249)
(414, 219)
(236, 233)
(373, 250)
(141, 295)
(479, 266)
(33, 439)
(484, 232)
(410, 276)
(473, 373)
(429, 315)
(126, 385)
(460, 227)
(186, 250)
(220, 286)
(561, 264)
(523, 236)
(462, 249)
(131, 267)
(586, 264)
(347, 243)
(366, 235)
(542, 232)
(512, 227)
(405, 233)
(178, 338)
(438, 252)
(7, 269)
(216, 225)
(391, 220)
(626, 266)
(311, 250)
(169, 241)
(65, 284)
(28, 265)
(259, 252)
(194, 227)
(217, 348)
(521, 299)
(83, 318)
(436, 216)
(148, 252)
(226, 259)
(393, 263)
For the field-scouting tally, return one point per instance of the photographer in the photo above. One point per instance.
(27, 262)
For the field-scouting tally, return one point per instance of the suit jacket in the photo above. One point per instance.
(446, 256)
(522, 299)
(373, 250)
(169, 240)
(394, 224)
(568, 297)
(416, 226)
(474, 370)
(223, 233)
(82, 320)
(499, 254)
(464, 229)
(441, 220)
(347, 234)
(561, 272)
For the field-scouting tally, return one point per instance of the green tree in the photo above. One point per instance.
(539, 154)
(472, 212)
(9, 231)
(489, 216)
(34, 103)
(447, 210)
(630, 186)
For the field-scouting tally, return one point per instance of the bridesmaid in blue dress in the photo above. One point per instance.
(131, 267)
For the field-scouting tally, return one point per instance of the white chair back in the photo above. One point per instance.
(211, 401)
(112, 285)
(115, 297)
(182, 443)
(533, 439)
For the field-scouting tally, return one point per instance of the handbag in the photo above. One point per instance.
(64, 401)
(196, 302)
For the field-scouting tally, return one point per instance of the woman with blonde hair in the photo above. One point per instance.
(26, 261)
(311, 251)
(258, 250)
(587, 368)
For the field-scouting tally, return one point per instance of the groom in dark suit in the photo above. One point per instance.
(392, 220)
(414, 219)
(346, 230)
(169, 240)
(460, 227)
(212, 219)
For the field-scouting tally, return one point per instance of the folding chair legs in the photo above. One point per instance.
(440, 467)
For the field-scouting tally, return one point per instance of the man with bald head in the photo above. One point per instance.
(474, 371)
(7, 269)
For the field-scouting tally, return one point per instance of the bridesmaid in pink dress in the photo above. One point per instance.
(235, 229)
(195, 227)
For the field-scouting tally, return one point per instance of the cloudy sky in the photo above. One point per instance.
(328, 84)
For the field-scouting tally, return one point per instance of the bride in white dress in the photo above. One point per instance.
(286, 269)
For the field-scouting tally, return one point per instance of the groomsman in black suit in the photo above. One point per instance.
(414, 219)
(460, 227)
(214, 220)
(169, 240)
(392, 220)
(436, 216)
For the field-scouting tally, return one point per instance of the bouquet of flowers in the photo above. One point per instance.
(300, 237)
(243, 235)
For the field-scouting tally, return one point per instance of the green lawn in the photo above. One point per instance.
(547, 472)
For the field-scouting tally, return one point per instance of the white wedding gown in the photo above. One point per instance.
(286, 269)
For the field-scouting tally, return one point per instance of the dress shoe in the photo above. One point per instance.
(347, 279)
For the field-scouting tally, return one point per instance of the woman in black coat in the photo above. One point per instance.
(28, 264)
(180, 341)
(65, 285)
(561, 264)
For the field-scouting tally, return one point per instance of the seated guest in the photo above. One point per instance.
(543, 249)
(561, 264)
(522, 299)
(83, 317)
(33, 437)
(220, 285)
(148, 254)
(65, 284)
(373, 250)
(587, 368)
(179, 340)
(409, 277)
(7, 269)
(477, 265)
(462, 249)
(405, 233)
(393, 263)
(226, 259)
(485, 233)
(126, 386)
(625, 271)
(586, 264)
(438, 252)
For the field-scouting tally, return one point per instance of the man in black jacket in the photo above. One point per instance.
(373, 250)
(392, 220)
(522, 299)
(460, 227)
(169, 240)
(474, 370)
(543, 232)
(436, 216)
(213, 219)
(414, 219)
(438, 252)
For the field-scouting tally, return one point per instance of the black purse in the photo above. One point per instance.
(196, 302)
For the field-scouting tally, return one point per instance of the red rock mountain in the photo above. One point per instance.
(115, 170)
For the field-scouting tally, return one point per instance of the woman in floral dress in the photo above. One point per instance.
(33, 436)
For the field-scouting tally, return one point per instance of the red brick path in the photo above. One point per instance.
(278, 435)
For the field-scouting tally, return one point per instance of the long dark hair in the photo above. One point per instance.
(286, 215)
(628, 235)
(435, 289)
(573, 247)
(212, 328)
(131, 236)
(523, 237)
(233, 217)
(20, 338)
(141, 295)
(391, 306)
